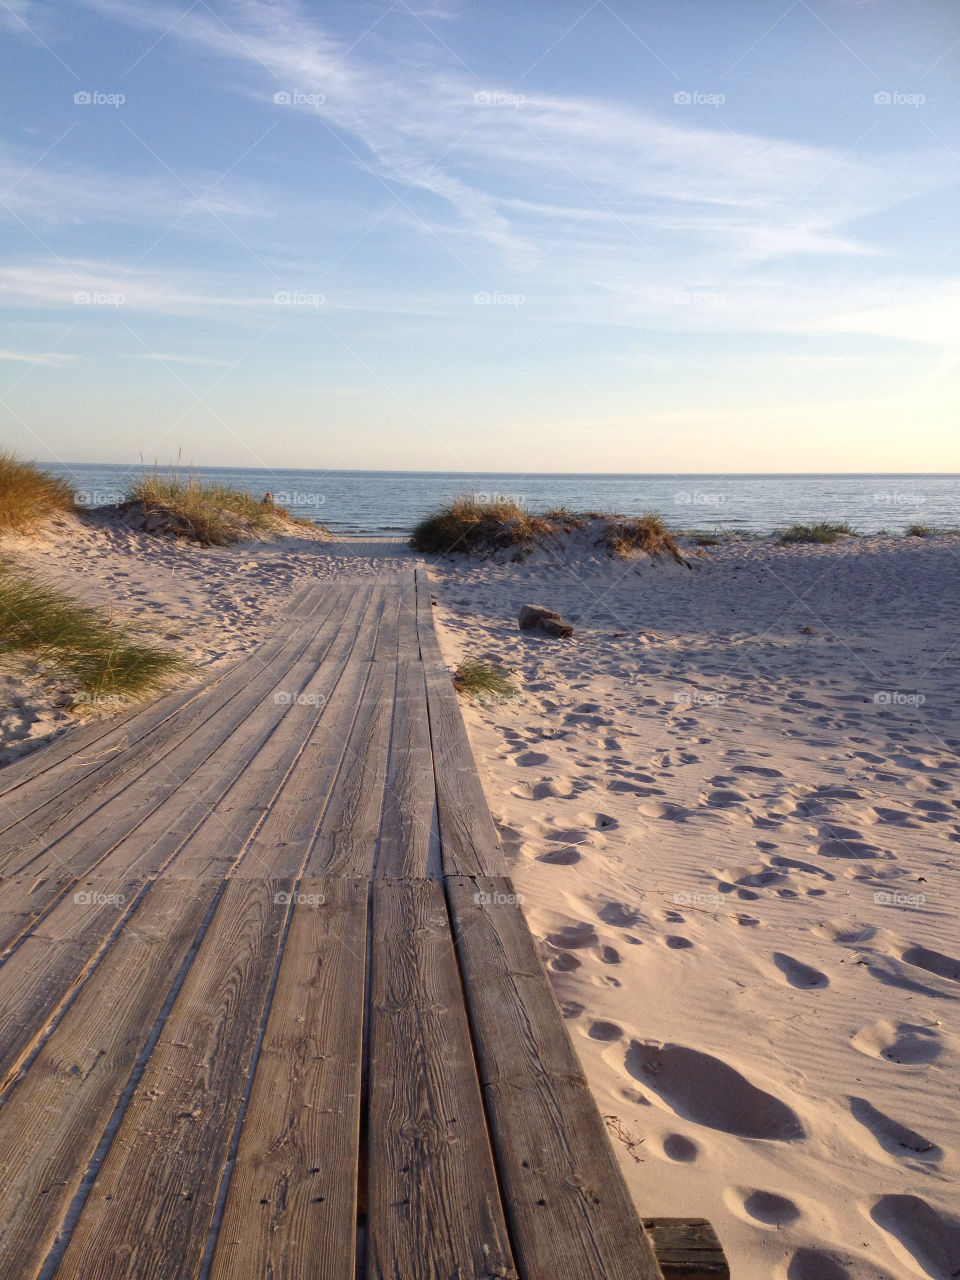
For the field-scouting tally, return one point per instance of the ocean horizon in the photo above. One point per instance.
(391, 502)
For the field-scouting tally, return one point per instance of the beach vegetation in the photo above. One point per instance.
(625, 535)
(28, 494)
(482, 680)
(469, 525)
(101, 661)
(919, 530)
(822, 531)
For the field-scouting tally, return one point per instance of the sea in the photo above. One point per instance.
(391, 502)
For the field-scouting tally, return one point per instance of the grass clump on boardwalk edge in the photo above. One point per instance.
(29, 494)
(96, 656)
(212, 514)
(483, 681)
(822, 531)
(469, 525)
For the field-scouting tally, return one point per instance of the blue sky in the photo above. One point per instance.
(681, 235)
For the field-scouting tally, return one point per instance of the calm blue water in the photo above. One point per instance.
(393, 501)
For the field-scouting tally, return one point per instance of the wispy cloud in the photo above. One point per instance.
(50, 359)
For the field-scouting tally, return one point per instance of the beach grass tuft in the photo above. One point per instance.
(919, 530)
(482, 680)
(102, 662)
(212, 514)
(467, 524)
(648, 533)
(822, 531)
(28, 494)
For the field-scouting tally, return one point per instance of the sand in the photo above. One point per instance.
(730, 804)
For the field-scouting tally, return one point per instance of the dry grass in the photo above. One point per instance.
(625, 535)
(100, 661)
(29, 494)
(468, 526)
(212, 514)
(483, 681)
(822, 531)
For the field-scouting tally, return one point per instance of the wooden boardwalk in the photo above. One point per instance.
(268, 1007)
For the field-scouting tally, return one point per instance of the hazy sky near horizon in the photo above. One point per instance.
(678, 235)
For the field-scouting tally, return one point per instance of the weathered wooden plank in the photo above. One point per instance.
(565, 1198)
(53, 1120)
(408, 639)
(54, 961)
(346, 839)
(143, 824)
(149, 1211)
(153, 765)
(687, 1249)
(468, 835)
(291, 1209)
(434, 1204)
(409, 804)
(429, 644)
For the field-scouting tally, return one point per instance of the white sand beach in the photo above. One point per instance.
(730, 804)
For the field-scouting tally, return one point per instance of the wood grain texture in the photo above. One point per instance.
(409, 802)
(434, 1204)
(291, 1210)
(565, 1198)
(687, 1249)
(54, 1118)
(150, 1208)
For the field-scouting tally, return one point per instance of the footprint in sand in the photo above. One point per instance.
(892, 1136)
(527, 759)
(710, 1092)
(619, 915)
(598, 821)
(550, 788)
(814, 1264)
(802, 976)
(933, 962)
(901, 1042)
(662, 809)
(764, 1207)
(676, 942)
(929, 1236)
(606, 1031)
(574, 936)
(565, 857)
(677, 1147)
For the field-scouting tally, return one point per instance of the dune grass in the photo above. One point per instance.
(468, 525)
(483, 681)
(99, 659)
(919, 530)
(822, 531)
(29, 494)
(212, 514)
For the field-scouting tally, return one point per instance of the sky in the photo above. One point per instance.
(476, 235)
